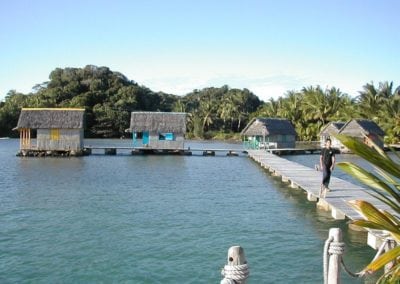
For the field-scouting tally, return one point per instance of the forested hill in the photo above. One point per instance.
(109, 97)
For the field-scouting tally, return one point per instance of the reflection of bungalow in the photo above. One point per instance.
(57, 129)
(328, 131)
(269, 133)
(158, 130)
(365, 130)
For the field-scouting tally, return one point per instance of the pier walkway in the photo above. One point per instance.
(309, 180)
(112, 150)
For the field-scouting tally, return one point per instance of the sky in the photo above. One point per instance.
(175, 46)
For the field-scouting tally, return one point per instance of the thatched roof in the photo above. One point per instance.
(268, 126)
(357, 127)
(46, 118)
(156, 122)
(332, 127)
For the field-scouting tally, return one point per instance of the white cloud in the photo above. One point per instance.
(264, 87)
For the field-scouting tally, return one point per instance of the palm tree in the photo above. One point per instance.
(345, 110)
(371, 99)
(227, 109)
(291, 106)
(315, 104)
(385, 188)
(389, 118)
(179, 106)
(269, 109)
(206, 112)
(239, 100)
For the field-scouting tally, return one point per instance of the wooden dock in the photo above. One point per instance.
(294, 151)
(112, 150)
(309, 180)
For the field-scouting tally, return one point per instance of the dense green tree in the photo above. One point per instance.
(9, 112)
(227, 110)
(107, 96)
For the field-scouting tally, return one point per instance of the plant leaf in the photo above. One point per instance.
(379, 159)
(367, 178)
(372, 214)
(385, 258)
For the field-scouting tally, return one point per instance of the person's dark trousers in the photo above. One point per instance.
(326, 176)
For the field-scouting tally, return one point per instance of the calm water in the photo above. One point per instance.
(157, 219)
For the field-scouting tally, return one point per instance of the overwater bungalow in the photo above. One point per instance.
(328, 131)
(57, 131)
(158, 130)
(261, 133)
(365, 130)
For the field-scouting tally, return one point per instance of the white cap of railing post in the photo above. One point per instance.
(236, 271)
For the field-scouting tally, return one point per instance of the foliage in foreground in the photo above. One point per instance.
(384, 186)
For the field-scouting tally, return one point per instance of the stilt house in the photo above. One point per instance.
(267, 133)
(158, 130)
(365, 130)
(328, 131)
(56, 129)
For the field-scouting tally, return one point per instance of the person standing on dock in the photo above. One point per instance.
(327, 164)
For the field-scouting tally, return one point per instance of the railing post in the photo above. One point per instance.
(236, 270)
(334, 256)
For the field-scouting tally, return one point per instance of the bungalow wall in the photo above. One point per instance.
(282, 141)
(59, 139)
(271, 141)
(354, 130)
(159, 142)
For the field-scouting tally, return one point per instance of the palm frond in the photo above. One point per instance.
(385, 199)
(372, 214)
(386, 177)
(368, 178)
(384, 188)
(385, 258)
(379, 159)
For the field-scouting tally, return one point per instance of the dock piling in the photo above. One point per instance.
(333, 250)
(110, 151)
(236, 271)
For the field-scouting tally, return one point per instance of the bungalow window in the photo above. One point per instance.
(166, 136)
(139, 135)
(54, 134)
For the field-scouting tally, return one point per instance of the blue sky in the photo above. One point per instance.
(176, 46)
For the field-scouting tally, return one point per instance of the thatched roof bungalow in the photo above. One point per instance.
(158, 130)
(57, 129)
(329, 130)
(365, 130)
(269, 133)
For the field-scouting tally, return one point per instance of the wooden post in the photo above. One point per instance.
(20, 139)
(236, 267)
(334, 259)
(110, 151)
(391, 244)
(29, 138)
(311, 197)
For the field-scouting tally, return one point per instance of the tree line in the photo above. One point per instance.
(109, 97)
(311, 108)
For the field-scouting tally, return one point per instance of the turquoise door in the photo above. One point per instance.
(145, 137)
